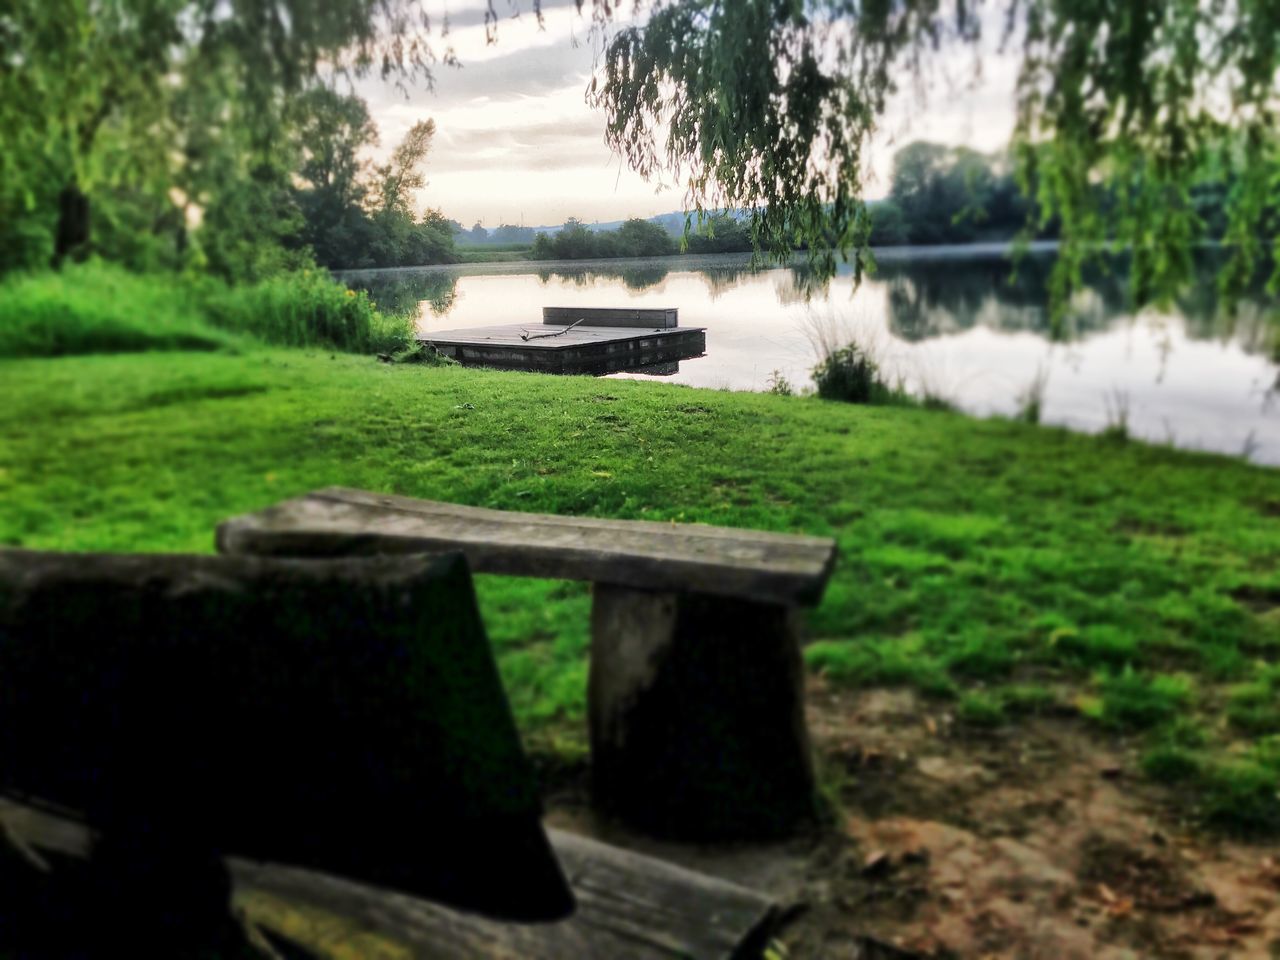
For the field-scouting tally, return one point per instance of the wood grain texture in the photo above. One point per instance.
(614, 316)
(695, 558)
(630, 906)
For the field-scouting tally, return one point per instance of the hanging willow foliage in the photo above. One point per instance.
(1124, 108)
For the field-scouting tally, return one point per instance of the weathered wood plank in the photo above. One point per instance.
(765, 567)
(613, 316)
(630, 907)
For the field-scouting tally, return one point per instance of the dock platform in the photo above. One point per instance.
(596, 341)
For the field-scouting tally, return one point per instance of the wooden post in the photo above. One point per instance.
(696, 709)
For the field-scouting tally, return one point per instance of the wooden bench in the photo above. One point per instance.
(344, 717)
(695, 696)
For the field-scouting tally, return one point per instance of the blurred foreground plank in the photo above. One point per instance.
(630, 907)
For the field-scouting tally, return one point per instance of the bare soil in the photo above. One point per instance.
(1035, 841)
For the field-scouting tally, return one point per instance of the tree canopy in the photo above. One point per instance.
(769, 106)
(1128, 112)
(175, 108)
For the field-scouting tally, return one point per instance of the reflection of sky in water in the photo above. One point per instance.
(953, 327)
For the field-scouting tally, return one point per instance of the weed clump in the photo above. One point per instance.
(1130, 700)
(778, 384)
(852, 375)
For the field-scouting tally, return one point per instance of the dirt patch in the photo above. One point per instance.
(1038, 841)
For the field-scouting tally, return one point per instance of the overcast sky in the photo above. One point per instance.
(517, 143)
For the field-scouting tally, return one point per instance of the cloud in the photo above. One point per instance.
(515, 134)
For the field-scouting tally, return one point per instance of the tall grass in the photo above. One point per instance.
(307, 309)
(96, 308)
(99, 308)
(1116, 403)
(1031, 399)
(853, 365)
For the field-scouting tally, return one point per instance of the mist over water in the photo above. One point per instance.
(962, 324)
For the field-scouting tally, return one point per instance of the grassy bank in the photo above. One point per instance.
(100, 308)
(1005, 567)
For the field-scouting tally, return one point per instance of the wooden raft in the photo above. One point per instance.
(695, 693)
(630, 907)
(584, 349)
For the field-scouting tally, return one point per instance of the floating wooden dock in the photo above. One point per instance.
(593, 340)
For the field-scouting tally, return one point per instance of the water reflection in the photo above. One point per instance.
(962, 323)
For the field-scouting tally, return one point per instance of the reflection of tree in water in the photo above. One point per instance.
(1253, 321)
(633, 276)
(721, 279)
(800, 285)
(401, 292)
(929, 298)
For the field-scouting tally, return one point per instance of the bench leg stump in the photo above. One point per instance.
(696, 707)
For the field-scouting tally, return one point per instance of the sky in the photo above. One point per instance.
(517, 143)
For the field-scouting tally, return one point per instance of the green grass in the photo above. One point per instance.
(96, 308)
(93, 308)
(1016, 569)
(492, 252)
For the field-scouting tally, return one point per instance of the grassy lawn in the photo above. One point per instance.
(492, 253)
(1010, 568)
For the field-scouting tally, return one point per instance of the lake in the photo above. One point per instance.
(959, 323)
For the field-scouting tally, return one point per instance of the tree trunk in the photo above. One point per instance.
(73, 223)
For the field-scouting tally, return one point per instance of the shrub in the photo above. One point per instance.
(848, 373)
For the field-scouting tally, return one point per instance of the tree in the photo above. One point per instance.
(943, 194)
(403, 173)
(108, 97)
(768, 106)
(640, 238)
(331, 131)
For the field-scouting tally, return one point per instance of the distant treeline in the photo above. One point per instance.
(639, 238)
(938, 195)
(942, 194)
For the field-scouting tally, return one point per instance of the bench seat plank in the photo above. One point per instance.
(630, 906)
(766, 567)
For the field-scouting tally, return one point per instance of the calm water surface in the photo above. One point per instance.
(957, 323)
